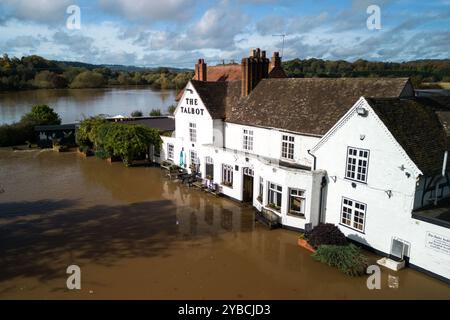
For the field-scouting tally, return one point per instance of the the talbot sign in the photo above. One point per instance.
(192, 110)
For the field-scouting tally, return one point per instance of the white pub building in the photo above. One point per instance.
(365, 154)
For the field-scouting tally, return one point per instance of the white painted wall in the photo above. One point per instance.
(386, 217)
(267, 142)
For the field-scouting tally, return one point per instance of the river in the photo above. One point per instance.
(74, 104)
(137, 235)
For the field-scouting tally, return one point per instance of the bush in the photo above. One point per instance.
(137, 113)
(87, 131)
(128, 142)
(326, 234)
(347, 259)
(16, 134)
(23, 132)
(155, 113)
(102, 154)
(171, 109)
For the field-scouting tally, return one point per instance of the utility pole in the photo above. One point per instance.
(282, 36)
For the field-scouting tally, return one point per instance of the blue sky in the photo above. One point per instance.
(177, 32)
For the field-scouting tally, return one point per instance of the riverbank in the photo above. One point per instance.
(137, 235)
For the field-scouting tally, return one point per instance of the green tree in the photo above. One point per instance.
(128, 141)
(41, 115)
(155, 113)
(88, 79)
(137, 113)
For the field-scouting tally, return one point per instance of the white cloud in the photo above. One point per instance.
(46, 11)
(150, 9)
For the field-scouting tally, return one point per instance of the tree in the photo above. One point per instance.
(41, 115)
(128, 141)
(155, 113)
(137, 113)
(88, 79)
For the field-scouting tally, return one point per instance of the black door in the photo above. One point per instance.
(248, 188)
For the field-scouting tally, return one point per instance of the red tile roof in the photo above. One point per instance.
(220, 73)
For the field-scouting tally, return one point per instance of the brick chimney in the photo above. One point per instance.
(200, 70)
(254, 69)
(275, 61)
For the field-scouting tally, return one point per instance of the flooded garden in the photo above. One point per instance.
(135, 234)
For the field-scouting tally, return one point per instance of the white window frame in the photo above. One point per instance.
(300, 194)
(357, 164)
(193, 157)
(247, 139)
(227, 175)
(170, 151)
(192, 132)
(272, 190)
(353, 214)
(288, 147)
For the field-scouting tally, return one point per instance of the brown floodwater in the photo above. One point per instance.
(137, 235)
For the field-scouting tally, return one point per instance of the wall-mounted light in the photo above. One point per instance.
(389, 193)
(334, 178)
(362, 136)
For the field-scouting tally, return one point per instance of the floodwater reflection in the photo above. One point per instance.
(136, 234)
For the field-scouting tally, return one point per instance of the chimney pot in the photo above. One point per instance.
(254, 69)
(201, 70)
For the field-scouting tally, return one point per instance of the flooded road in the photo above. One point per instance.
(137, 235)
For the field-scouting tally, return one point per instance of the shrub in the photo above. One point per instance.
(23, 132)
(155, 113)
(347, 259)
(326, 234)
(87, 131)
(103, 154)
(16, 134)
(137, 113)
(126, 141)
(171, 109)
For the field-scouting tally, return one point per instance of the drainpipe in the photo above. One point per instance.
(444, 169)
(314, 157)
(323, 183)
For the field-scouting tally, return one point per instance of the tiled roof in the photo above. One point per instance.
(308, 105)
(226, 72)
(163, 124)
(417, 128)
(218, 97)
(219, 73)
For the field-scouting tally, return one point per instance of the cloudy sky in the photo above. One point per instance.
(176, 32)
